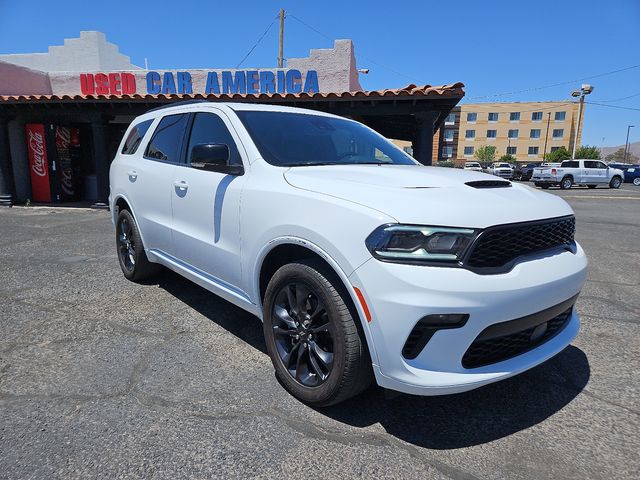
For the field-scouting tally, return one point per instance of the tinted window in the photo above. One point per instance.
(294, 139)
(209, 128)
(167, 139)
(600, 165)
(135, 137)
(572, 164)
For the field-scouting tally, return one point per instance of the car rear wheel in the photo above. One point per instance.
(615, 182)
(316, 348)
(131, 255)
(566, 183)
(636, 181)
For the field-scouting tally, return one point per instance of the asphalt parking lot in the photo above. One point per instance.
(100, 377)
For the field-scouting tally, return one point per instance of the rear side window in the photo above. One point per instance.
(135, 137)
(571, 164)
(209, 128)
(167, 139)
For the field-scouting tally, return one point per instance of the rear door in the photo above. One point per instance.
(150, 181)
(206, 205)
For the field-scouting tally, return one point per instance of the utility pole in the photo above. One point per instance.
(281, 49)
(584, 90)
(626, 143)
(546, 136)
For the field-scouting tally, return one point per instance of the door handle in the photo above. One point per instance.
(181, 185)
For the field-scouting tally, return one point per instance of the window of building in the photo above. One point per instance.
(451, 119)
(447, 151)
(472, 117)
(492, 133)
(493, 117)
(513, 133)
(535, 133)
(514, 116)
(209, 128)
(470, 134)
(167, 139)
(558, 132)
(553, 149)
(560, 116)
(135, 137)
(512, 150)
(536, 116)
(468, 151)
(448, 134)
(408, 150)
(533, 150)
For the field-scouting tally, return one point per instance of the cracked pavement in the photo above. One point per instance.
(103, 378)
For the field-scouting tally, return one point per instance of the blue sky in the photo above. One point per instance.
(492, 46)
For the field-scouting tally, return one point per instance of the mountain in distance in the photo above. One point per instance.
(634, 148)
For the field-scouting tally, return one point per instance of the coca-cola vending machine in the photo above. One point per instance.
(54, 162)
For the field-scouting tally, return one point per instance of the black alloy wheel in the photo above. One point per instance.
(302, 334)
(131, 255)
(313, 334)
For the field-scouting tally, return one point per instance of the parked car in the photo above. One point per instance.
(632, 175)
(474, 166)
(524, 172)
(503, 170)
(578, 172)
(361, 263)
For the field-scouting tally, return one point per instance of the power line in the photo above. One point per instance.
(257, 43)
(619, 99)
(613, 106)
(557, 84)
(370, 60)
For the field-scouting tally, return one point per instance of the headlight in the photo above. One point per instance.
(419, 244)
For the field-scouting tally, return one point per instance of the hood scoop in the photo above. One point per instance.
(489, 184)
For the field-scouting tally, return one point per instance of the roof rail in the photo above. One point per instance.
(178, 104)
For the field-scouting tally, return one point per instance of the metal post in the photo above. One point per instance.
(546, 136)
(423, 138)
(6, 175)
(101, 157)
(281, 49)
(575, 137)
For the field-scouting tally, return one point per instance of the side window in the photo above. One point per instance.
(600, 165)
(209, 128)
(590, 164)
(135, 137)
(167, 139)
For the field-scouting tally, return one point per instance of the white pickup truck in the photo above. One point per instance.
(577, 172)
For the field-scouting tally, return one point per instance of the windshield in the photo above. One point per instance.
(295, 139)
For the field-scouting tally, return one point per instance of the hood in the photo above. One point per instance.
(429, 195)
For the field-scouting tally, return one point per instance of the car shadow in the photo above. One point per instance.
(441, 422)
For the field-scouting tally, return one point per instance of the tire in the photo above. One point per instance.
(636, 181)
(325, 354)
(566, 183)
(131, 255)
(615, 182)
(591, 186)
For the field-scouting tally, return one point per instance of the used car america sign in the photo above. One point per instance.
(209, 82)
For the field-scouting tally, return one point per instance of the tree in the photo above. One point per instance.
(508, 158)
(558, 155)
(618, 156)
(486, 153)
(588, 152)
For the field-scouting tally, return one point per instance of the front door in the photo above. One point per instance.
(206, 205)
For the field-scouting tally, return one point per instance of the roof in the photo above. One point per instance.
(454, 90)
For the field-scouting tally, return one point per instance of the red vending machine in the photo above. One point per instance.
(38, 163)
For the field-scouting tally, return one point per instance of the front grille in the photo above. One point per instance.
(498, 246)
(485, 351)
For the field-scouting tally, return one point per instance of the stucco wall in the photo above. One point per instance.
(17, 80)
(89, 52)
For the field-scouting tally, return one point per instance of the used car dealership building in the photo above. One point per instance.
(63, 113)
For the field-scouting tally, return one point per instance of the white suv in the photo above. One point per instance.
(360, 262)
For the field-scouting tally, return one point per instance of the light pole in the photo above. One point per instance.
(584, 90)
(626, 143)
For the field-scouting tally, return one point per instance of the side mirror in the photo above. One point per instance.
(214, 157)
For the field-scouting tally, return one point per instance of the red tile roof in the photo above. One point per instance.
(454, 90)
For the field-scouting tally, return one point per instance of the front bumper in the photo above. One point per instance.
(399, 295)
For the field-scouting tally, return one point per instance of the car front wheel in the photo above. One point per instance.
(131, 255)
(315, 345)
(615, 182)
(636, 181)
